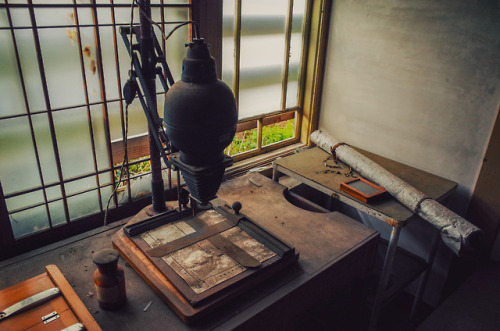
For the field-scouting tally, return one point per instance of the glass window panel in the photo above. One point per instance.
(105, 195)
(54, 17)
(244, 140)
(175, 50)
(20, 17)
(61, 2)
(259, 68)
(73, 139)
(11, 92)
(122, 15)
(90, 64)
(4, 21)
(295, 53)
(83, 204)
(53, 192)
(101, 147)
(123, 198)
(80, 185)
(137, 123)
(29, 221)
(105, 179)
(259, 100)
(62, 68)
(31, 72)
(109, 63)
(57, 215)
(45, 148)
(280, 128)
(104, 15)
(228, 8)
(85, 15)
(140, 187)
(18, 169)
(25, 200)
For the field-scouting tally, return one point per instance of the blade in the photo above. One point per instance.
(27, 303)
(233, 251)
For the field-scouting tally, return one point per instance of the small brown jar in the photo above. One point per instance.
(109, 279)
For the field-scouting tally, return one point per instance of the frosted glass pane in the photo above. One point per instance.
(105, 194)
(24, 200)
(53, 192)
(29, 221)
(85, 15)
(11, 92)
(83, 204)
(295, 53)
(4, 22)
(54, 16)
(293, 70)
(80, 185)
(20, 17)
(175, 50)
(90, 65)
(45, 148)
(109, 63)
(57, 215)
(31, 72)
(73, 138)
(122, 15)
(104, 15)
(101, 148)
(62, 68)
(18, 169)
(104, 179)
(262, 28)
(259, 100)
(137, 123)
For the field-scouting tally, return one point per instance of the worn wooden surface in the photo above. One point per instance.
(334, 251)
(310, 164)
(69, 307)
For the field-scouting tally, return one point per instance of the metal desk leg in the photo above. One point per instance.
(386, 272)
(276, 173)
(422, 283)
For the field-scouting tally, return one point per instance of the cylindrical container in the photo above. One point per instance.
(109, 279)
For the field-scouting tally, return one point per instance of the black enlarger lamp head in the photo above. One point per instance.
(200, 120)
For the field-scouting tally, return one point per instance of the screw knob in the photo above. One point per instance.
(236, 207)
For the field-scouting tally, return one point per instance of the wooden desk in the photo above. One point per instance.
(334, 251)
(309, 168)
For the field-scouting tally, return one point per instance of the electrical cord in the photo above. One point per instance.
(131, 88)
(128, 101)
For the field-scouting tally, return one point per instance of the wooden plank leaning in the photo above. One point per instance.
(456, 232)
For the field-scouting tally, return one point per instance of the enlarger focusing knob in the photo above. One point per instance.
(236, 207)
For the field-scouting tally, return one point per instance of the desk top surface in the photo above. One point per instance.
(310, 165)
(325, 242)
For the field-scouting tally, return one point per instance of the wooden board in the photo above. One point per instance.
(310, 164)
(68, 305)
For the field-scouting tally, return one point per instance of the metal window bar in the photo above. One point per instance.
(48, 106)
(30, 121)
(49, 111)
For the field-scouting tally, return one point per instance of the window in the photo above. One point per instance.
(62, 120)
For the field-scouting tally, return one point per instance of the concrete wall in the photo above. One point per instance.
(417, 82)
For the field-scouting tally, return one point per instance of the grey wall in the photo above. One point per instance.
(418, 82)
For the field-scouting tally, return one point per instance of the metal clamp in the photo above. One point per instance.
(50, 317)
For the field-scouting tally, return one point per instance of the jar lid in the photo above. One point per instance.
(106, 256)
